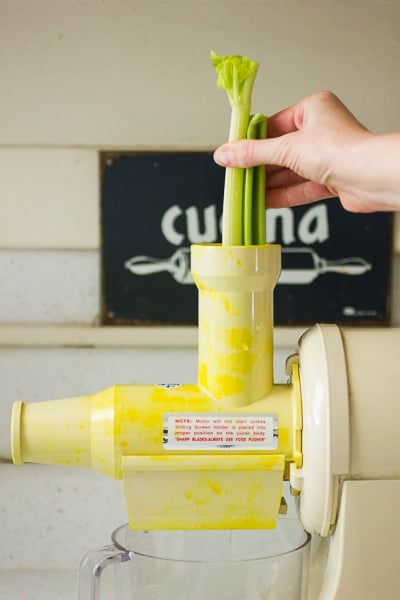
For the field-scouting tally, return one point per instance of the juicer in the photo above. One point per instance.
(215, 454)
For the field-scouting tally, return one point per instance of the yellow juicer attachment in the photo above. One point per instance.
(205, 456)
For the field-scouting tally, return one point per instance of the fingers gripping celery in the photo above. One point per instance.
(244, 193)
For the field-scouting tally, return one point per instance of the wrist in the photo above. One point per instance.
(366, 175)
(380, 177)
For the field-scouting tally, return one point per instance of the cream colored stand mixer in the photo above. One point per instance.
(214, 455)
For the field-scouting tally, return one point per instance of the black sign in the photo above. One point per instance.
(335, 264)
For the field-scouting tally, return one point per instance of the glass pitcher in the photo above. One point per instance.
(267, 564)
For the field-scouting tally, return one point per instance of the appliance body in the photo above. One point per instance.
(350, 479)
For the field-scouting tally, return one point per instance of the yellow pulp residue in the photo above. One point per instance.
(227, 385)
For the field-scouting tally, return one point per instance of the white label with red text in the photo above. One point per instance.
(216, 431)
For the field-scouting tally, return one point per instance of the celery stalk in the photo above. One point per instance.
(259, 225)
(236, 74)
(248, 207)
(254, 190)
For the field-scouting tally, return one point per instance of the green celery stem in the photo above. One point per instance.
(248, 215)
(259, 192)
(232, 224)
(233, 207)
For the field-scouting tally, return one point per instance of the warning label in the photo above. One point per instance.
(210, 431)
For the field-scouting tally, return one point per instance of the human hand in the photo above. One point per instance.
(317, 149)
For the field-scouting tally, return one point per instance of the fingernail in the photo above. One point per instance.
(223, 156)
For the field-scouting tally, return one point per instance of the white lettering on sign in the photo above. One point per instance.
(180, 225)
(168, 225)
(175, 218)
(313, 226)
(213, 431)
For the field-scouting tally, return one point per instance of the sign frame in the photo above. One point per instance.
(336, 265)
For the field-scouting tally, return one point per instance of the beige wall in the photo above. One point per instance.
(136, 73)
(77, 76)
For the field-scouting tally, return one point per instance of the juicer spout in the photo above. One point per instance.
(187, 462)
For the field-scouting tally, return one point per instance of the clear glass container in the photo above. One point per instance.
(270, 564)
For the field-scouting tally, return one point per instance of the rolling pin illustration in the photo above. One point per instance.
(300, 266)
(178, 265)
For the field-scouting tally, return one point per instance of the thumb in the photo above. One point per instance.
(248, 153)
